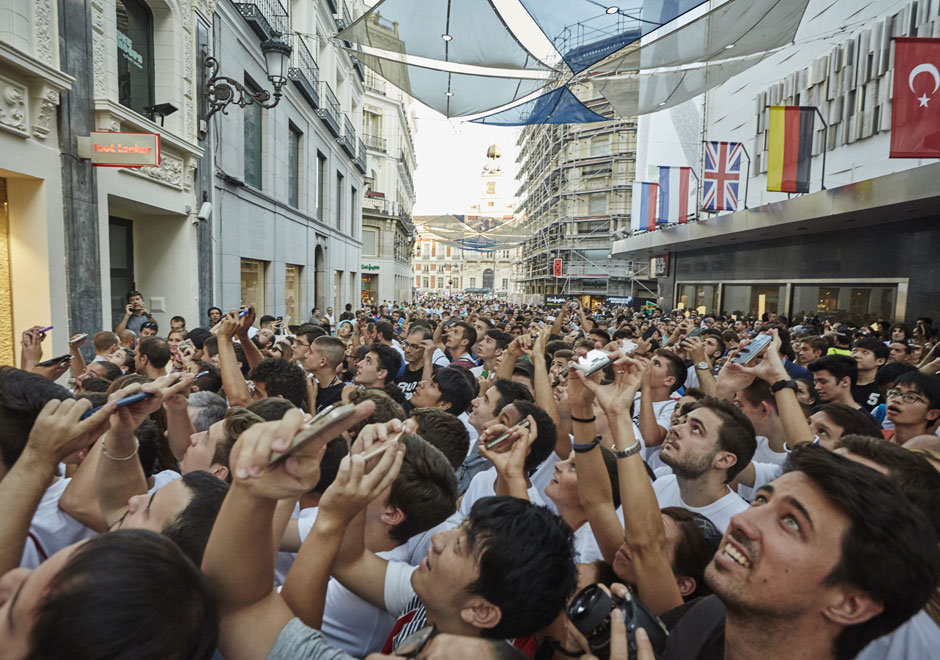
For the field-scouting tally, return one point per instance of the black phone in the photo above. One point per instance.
(56, 360)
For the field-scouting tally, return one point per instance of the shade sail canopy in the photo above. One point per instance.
(559, 106)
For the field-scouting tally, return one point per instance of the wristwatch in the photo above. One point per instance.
(629, 451)
(783, 384)
(703, 365)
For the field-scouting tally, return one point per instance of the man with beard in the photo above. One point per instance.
(705, 453)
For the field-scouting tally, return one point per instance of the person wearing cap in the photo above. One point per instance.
(149, 329)
(843, 341)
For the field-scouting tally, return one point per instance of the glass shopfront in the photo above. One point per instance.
(134, 54)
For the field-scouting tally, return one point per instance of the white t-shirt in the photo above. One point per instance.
(51, 528)
(438, 358)
(586, 550)
(162, 478)
(764, 473)
(765, 454)
(474, 434)
(719, 512)
(398, 590)
(918, 637)
(543, 476)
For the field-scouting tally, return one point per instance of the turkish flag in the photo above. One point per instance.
(915, 106)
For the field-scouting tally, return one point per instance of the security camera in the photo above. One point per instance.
(205, 211)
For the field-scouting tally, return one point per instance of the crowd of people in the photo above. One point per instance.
(470, 478)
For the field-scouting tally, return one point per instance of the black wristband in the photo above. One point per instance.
(587, 420)
(783, 384)
(582, 448)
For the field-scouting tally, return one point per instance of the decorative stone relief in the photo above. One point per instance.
(44, 38)
(98, 47)
(170, 170)
(13, 106)
(190, 176)
(43, 111)
(205, 7)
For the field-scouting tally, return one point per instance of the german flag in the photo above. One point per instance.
(790, 148)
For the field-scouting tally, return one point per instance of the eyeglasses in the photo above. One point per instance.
(300, 343)
(906, 397)
(413, 347)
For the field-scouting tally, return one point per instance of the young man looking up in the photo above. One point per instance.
(489, 349)
(151, 358)
(811, 348)
(653, 406)
(460, 337)
(706, 451)
(869, 354)
(321, 360)
(379, 367)
(835, 377)
(446, 389)
(913, 406)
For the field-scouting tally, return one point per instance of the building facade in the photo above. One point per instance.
(857, 250)
(288, 181)
(388, 234)
(574, 192)
(443, 268)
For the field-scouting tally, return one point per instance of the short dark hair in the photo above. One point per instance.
(529, 582)
(600, 333)
(211, 378)
(271, 408)
(876, 346)
(510, 391)
(333, 455)
(444, 431)
(890, 372)
(840, 366)
(331, 348)
(156, 350)
(675, 367)
(502, 339)
(899, 570)
(266, 318)
(389, 360)
(172, 614)
(736, 434)
(544, 443)
(281, 378)
(131, 294)
(198, 337)
(384, 330)
(454, 389)
(386, 408)
(209, 311)
(425, 488)
(469, 332)
(695, 548)
(924, 384)
(311, 331)
(850, 419)
(22, 396)
(190, 529)
(237, 420)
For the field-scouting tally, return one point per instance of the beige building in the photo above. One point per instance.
(574, 190)
(443, 268)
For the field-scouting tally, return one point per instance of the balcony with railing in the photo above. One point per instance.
(372, 202)
(374, 83)
(329, 110)
(361, 156)
(304, 72)
(349, 137)
(405, 170)
(375, 143)
(342, 16)
(268, 18)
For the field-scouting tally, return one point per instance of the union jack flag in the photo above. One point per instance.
(722, 176)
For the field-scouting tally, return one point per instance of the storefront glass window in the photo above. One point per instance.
(134, 54)
(252, 283)
(850, 303)
(292, 280)
(754, 299)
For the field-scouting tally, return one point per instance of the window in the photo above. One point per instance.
(321, 184)
(339, 200)
(490, 187)
(368, 242)
(426, 283)
(134, 54)
(293, 167)
(252, 283)
(505, 286)
(292, 282)
(473, 282)
(354, 212)
(252, 119)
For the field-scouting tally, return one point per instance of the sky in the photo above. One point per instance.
(450, 155)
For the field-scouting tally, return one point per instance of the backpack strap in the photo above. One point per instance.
(693, 631)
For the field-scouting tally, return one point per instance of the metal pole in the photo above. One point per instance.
(822, 181)
(747, 176)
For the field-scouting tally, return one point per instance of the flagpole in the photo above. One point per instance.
(822, 182)
(747, 176)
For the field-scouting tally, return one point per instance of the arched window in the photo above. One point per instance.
(135, 54)
(488, 277)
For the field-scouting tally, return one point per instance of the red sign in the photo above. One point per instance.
(106, 149)
(915, 106)
(556, 268)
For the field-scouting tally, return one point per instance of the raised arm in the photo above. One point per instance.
(594, 489)
(57, 432)
(77, 363)
(253, 354)
(653, 434)
(643, 525)
(516, 349)
(544, 397)
(236, 389)
(179, 427)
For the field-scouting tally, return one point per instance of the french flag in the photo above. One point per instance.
(675, 190)
(645, 202)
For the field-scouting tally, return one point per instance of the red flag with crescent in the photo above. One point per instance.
(915, 106)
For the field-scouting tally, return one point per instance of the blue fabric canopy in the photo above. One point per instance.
(559, 106)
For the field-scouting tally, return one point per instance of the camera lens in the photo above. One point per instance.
(589, 608)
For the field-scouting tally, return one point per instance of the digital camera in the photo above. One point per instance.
(590, 610)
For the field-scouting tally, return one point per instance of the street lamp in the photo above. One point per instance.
(221, 91)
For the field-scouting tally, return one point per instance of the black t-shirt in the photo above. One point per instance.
(327, 396)
(408, 381)
(696, 630)
(867, 396)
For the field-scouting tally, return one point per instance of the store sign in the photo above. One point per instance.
(556, 268)
(369, 267)
(121, 149)
(553, 301)
(659, 266)
(618, 301)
